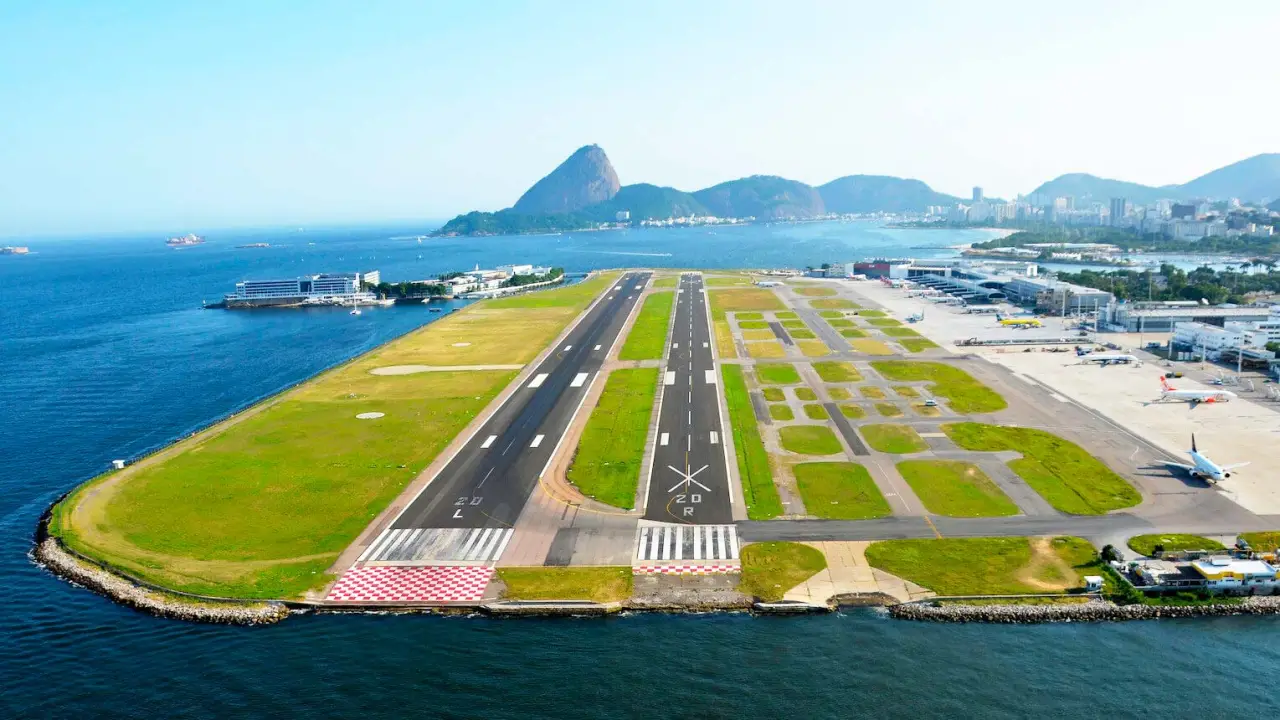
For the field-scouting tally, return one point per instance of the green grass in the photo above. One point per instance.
(917, 344)
(753, 325)
(852, 412)
(597, 584)
(1068, 477)
(883, 322)
(871, 313)
(781, 411)
(906, 391)
(809, 440)
(963, 393)
(743, 300)
(895, 439)
(1146, 544)
(871, 347)
(841, 323)
(852, 333)
(831, 314)
(666, 282)
(837, 372)
(773, 394)
(983, 566)
(648, 337)
(749, 316)
(815, 411)
(802, 335)
(1262, 541)
(871, 391)
(770, 569)
(777, 374)
(956, 489)
(838, 393)
(888, 409)
(832, 304)
(759, 492)
(792, 324)
(785, 315)
(899, 332)
(839, 491)
(815, 291)
(806, 394)
(606, 465)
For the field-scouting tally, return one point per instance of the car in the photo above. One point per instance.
(930, 403)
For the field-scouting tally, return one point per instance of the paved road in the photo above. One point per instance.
(488, 482)
(689, 481)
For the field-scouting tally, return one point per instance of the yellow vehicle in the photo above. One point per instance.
(1026, 322)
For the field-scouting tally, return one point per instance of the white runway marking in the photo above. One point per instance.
(537, 440)
(1058, 397)
(675, 345)
(711, 377)
(488, 441)
(567, 348)
(715, 437)
(705, 345)
(597, 347)
(538, 380)
(578, 380)
(665, 437)
(669, 378)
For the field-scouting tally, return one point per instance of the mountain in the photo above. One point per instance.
(1086, 187)
(585, 179)
(649, 202)
(1254, 179)
(880, 193)
(766, 197)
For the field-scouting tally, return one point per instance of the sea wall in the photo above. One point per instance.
(1092, 611)
(50, 554)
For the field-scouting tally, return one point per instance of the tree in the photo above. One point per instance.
(1111, 554)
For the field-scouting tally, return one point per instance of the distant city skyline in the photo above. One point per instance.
(149, 116)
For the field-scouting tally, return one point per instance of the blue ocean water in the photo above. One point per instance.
(106, 353)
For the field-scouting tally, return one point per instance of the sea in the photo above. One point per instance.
(106, 353)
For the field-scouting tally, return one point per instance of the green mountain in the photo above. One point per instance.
(1091, 188)
(1253, 179)
(765, 197)
(649, 202)
(585, 179)
(880, 193)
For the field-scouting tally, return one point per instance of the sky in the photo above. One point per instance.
(170, 117)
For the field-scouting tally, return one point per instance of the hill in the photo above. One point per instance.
(767, 197)
(1091, 188)
(1253, 179)
(585, 179)
(649, 202)
(880, 193)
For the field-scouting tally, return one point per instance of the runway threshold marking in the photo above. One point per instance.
(578, 380)
(537, 381)
(537, 440)
(488, 442)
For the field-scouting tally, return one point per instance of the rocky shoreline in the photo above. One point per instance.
(50, 554)
(1092, 611)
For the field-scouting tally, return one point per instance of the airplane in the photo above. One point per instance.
(1202, 468)
(1193, 396)
(1108, 359)
(1020, 322)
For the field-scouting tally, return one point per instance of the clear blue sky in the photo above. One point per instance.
(171, 116)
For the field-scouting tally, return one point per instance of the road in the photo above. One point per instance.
(689, 480)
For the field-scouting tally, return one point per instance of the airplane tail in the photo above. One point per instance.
(1193, 443)
(1164, 384)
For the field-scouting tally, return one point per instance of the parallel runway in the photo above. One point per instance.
(486, 485)
(689, 481)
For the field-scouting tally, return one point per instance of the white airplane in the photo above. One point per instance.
(1202, 468)
(1170, 392)
(1108, 359)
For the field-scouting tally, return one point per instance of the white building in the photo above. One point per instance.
(1231, 336)
(1234, 574)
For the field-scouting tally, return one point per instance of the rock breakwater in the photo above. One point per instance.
(1092, 611)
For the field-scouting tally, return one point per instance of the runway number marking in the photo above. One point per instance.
(488, 441)
(538, 380)
(465, 501)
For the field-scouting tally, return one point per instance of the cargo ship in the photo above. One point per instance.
(184, 241)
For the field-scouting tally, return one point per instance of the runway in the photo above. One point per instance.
(688, 480)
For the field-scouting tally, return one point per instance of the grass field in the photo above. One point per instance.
(802, 334)
(261, 505)
(1068, 477)
(871, 391)
(838, 393)
(606, 465)
(956, 489)
(736, 300)
(829, 314)
(837, 372)
(757, 335)
(777, 374)
(899, 332)
(815, 291)
(666, 282)
(883, 322)
(839, 491)
(773, 394)
(872, 313)
(781, 411)
(986, 566)
(888, 409)
(785, 315)
(906, 391)
(809, 440)
(815, 411)
(1146, 544)
(770, 569)
(1262, 541)
(852, 333)
(832, 304)
(925, 410)
(852, 412)
(597, 584)
(963, 393)
(758, 490)
(753, 325)
(648, 337)
(749, 316)
(807, 394)
(792, 324)
(870, 347)
(727, 281)
(813, 348)
(895, 439)
(766, 350)
(840, 323)
(917, 344)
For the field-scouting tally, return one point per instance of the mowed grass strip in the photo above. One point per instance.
(806, 394)
(1068, 477)
(770, 569)
(884, 322)
(758, 490)
(766, 350)
(839, 491)
(899, 332)
(832, 304)
(986, 566)
(773, 394)
(1262, 541)
(893, 439)
(837, 372)
(777, 374)
(852, 333)
(956, 489)
(964, 394)
(815, 411)
(1172, 542)
(916, 345)
(606, 465)
(815, 291)
(813, 348)
(870, 347)
(259, 506)
(648, 337)
(781, 411)
(596, 584)
(830, 314)
(809, 440)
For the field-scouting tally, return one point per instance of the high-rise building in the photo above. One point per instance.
(1119, 208)
(977, 194)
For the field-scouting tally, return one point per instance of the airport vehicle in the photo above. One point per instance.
(931, 403)
(1202, 468)
(1106, 359)
(915, 318)
(1194, 397)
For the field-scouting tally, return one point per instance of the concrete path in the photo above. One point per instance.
(848, 573)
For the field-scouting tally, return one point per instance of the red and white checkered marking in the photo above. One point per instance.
(411, 584)
(684, 569)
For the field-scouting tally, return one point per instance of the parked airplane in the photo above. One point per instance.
(1108, 359)
(1020, 322)
(1202, 468)
(1170, 392)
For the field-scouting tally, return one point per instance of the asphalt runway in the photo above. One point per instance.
(689, 481)
(488, 482)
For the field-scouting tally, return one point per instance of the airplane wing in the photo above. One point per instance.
(1233, 467)
(1180, 466)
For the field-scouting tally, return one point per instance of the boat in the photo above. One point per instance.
(184, 241)
(355, 311)
(435, 309)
